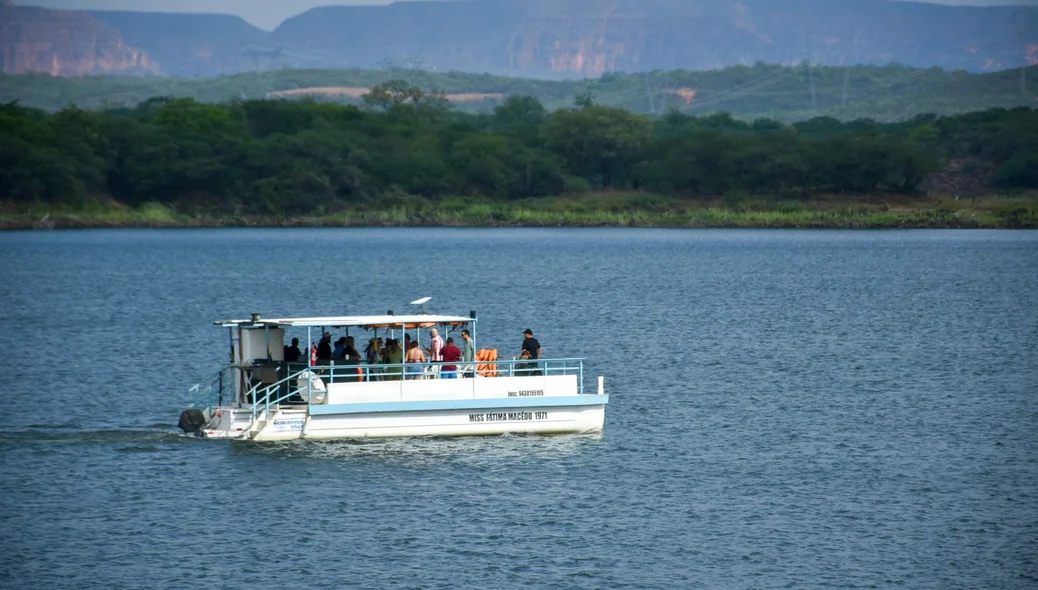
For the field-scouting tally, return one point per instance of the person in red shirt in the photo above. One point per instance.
(450, 354)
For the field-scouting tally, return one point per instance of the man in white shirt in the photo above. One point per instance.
(436, 344)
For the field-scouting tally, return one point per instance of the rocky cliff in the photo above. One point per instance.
(540, 38)
(589, 37)
(64, 43)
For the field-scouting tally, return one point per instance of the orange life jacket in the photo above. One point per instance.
(486, 368)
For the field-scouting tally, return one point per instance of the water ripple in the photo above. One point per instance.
(788, 410)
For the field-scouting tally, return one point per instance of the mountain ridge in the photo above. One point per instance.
(590, 37)
(539, 38)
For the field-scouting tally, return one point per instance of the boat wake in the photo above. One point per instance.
(74, 434)
(424, 450)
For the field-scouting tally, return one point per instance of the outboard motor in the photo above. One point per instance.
(192, 420)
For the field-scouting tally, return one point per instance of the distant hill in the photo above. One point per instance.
(190, 45)
(784, 93)
(65, 43)
(591, 37)
(530, 38)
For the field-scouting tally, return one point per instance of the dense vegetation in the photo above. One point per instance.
(405, 147)
(783, 93)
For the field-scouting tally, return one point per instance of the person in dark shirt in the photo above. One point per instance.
(324, 349)
(292, 353)
(450, 354)
(531, 345)
(531, 350)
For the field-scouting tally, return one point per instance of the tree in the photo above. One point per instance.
(520, 117)
(392, 94)
(584, 100)
(480, 165)
(401, 98)
(288, 157)
(597, 142)
(186, 115)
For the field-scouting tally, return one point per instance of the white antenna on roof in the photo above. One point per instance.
(421, 303)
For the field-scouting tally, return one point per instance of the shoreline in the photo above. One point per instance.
(830, 213)
(78, 224)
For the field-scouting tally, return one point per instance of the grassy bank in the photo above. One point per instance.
(594, 210)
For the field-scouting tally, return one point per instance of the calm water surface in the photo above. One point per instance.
(789, 409)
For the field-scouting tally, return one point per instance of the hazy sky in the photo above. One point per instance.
(268, 14)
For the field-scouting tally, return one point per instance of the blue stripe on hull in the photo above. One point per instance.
(462, 404)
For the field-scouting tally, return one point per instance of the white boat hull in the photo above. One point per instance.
(298, 423)
(442, 407)
(481, 422)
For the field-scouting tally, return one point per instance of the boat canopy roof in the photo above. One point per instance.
(367, 322)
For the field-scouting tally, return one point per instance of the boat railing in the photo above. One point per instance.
(264, 396)
(299, 379)
(212, 393)
(518, 367)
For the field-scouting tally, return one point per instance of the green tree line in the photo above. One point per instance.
(883, 93)
(282, 157)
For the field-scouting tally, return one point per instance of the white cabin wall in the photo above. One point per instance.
(254, 344)
(433, 389)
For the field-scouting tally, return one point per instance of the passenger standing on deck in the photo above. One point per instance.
(531, 350)
(373, 355)
(340, 349)
(531, 345)
(435, 346)
(415, 356)
(451, 354)
(468, 353)
(292, 353)
(324, 349)
(350, 350)
(394, 356)
(371, 352)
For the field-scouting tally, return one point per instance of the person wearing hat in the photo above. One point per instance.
(531, 345)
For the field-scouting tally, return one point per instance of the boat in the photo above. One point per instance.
(259, 396)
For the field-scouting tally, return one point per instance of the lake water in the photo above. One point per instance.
(788, 409)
